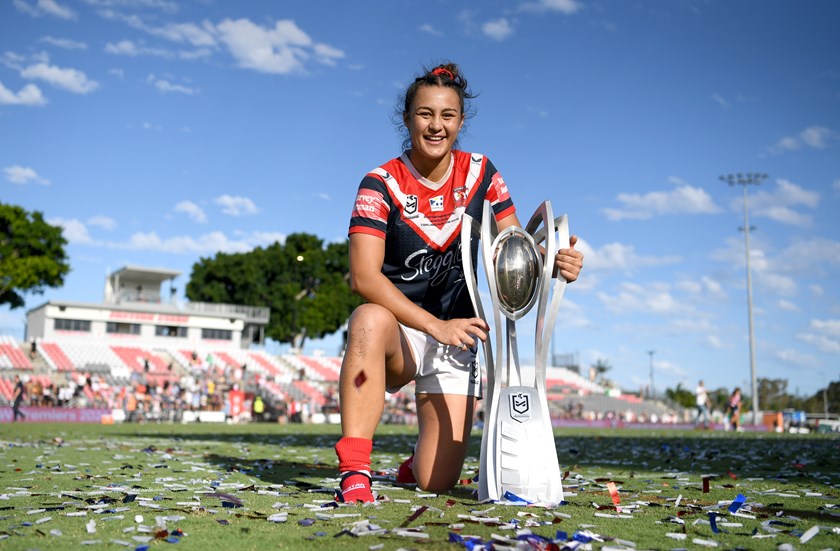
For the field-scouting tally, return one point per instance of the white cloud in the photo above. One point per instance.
(716, 343)
(65, 43)
(192, 210)
(209, 243)
(28, 95)
(166, 86)
(705, 286)
(718, 98)
(836, 185)
(821, 342)
(45, 7)
(651, 299)
(129, 48)
(23, 175)
(499, 29)
(779, 204)
(815, 137)
(816, 290)
(617, 256)
(685, 199)
(796, 358)
(788, 306)
(236, 206)
(102, 221)
(829, 327)
(75, 231)
(428, 28)
(282, 49)
(163, 5)
(566, 7)
(323, 196)
(68, 79)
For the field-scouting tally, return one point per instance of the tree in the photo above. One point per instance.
(681, 396)
(32, 255)
(601, 367)
(773, 395)
(304, 284)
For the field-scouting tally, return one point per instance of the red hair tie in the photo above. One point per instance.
(443, 71)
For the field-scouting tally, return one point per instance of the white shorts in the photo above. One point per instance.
(441, 368)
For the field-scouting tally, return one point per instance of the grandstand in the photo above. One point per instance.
(88, 354)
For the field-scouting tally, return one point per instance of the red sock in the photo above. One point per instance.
(405, 474)
(354, 466)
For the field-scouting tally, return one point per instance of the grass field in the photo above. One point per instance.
(270, 487)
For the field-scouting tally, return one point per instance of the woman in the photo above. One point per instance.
(418, 323)
(733, 410)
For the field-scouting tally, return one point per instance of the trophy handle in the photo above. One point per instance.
(538, 226)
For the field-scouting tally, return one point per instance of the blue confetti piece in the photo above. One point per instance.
(172, 539)
(713, 522)
(141, 548)
(306, 521)
(513, 497)
(583, 538)
(561, 535)
(737, 503)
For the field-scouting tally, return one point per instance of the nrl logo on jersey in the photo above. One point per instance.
(410, 204)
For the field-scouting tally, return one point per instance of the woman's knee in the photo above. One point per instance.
(371, 318)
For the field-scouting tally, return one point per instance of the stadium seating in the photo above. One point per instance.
(11, 355)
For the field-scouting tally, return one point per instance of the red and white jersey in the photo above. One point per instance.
(420, 222)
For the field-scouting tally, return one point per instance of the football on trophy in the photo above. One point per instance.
(517, 268)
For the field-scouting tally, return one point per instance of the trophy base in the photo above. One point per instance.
(526, 459)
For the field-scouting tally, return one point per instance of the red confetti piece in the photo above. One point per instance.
(450, 502)
(565, 475)
(732, 475)
(705, 485)
(360, 379)
(414, 516)
(616, 499)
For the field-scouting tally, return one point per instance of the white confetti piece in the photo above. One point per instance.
(279, 517)
(810, 533)
(411, 534)
(705, 543)
(43, 520)
(91, 527)
(138, 518)
(56, 533)
(676, 535)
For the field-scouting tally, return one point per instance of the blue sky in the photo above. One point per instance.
(159, 132)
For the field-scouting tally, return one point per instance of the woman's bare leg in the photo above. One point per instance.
(445, 424)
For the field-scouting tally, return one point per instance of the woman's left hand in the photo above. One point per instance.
(568, 262)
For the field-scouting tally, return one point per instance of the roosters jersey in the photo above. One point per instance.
(421, 224)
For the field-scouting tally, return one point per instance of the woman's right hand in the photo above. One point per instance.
(460, 332)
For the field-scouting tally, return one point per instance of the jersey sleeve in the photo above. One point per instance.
(497, 193)
(371, 209)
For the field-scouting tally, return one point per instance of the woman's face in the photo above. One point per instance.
(433, 121)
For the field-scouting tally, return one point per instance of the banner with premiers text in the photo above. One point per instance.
(55, 415)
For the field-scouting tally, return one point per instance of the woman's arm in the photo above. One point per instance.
(367, 254)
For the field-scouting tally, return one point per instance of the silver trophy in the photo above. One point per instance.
(518, 457)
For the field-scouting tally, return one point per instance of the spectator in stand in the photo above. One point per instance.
(18, 398)
(33, 348)
(702, 401)
(733, 411)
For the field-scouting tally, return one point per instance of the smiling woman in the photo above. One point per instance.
(418, 324)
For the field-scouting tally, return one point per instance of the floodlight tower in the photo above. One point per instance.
(652, 393)
(745, 180)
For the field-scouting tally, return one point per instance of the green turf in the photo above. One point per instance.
(187, 473)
